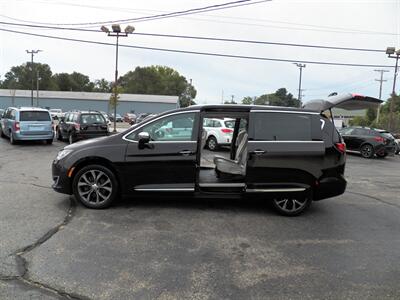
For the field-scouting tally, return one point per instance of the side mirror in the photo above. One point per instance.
(144, 139)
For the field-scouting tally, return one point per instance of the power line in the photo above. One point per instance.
(203, 53)
(204, 38)
(190, 11)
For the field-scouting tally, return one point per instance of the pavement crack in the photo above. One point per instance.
(23, 264)
(374, 198)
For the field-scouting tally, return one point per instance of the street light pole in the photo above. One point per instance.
(393, 53)
(116, 31)
(32, 52)
(300, 66)
(37, 88)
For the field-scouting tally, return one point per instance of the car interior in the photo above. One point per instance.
(228, 163)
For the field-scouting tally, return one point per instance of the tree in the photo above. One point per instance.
(247, 100)
(158, 80)
(20, 77)
(73, 82)
(102, 85)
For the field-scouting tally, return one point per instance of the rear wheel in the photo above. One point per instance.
(2, 133)
(212, 143)
(367, 151)
(95, 186)
(292, 205)
(12, 140)
(49, 142)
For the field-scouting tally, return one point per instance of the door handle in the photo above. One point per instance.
(258, 152)
(186, 152)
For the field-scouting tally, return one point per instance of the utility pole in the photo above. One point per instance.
(37, 88)
(32, 52)
(381, 80)
(300, 66)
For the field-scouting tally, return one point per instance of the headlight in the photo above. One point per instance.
(62, 154)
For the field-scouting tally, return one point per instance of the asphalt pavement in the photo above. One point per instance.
(169, 248)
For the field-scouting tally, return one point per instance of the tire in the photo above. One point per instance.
(367, 151)
(49, 142)
(12, 140)
(2, 133)
(95, 186)
(292, 205)
(381, 155)
(59, 135)
(71, 139)
(212, 143)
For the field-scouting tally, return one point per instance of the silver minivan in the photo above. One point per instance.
(27, 123)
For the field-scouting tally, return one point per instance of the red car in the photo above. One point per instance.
(130, 118)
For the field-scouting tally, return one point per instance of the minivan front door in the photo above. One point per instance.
(168, 161)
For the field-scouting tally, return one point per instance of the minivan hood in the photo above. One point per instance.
(87, 143)
(346, 101)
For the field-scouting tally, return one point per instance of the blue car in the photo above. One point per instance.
(27, 123)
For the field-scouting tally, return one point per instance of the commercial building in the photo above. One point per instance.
(88, 101)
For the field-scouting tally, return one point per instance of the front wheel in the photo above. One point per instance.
(71, 138)
(367, 151)
(212, 143)
(95, 186)
(292, 205)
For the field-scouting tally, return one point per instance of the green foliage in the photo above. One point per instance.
(116, 90)
(20, 77)
(247, 100)
(280, 98)
(102, 86)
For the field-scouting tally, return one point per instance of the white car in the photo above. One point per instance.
(56, 113)
(219, 132)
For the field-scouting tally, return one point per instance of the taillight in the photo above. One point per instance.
(16, 126)
(379, 139)
(226, 130)
(341, 147)
(77, 127)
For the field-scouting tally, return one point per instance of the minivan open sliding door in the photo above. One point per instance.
(285, 151)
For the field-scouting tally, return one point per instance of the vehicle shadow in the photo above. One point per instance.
(247, 205)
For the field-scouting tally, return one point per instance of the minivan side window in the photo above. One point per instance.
(271, 126)
(12, 114)
(177, 127)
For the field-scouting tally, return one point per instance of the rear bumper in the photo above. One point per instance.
(330, 187)
(25, 137)
(84, 136)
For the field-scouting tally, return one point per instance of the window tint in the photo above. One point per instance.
(172, 128)
(281, 127)
(34, 116)
(360, 131)
(92, 119)
(207, 122)
(346, 131)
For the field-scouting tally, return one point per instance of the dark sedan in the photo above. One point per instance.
(368, 141)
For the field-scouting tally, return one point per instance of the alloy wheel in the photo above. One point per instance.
(94, 187)
(291, 205)
(367, 151)
(212, 144)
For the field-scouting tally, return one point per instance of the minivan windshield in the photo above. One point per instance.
(34, 116)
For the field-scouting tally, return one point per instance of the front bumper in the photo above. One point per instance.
(61, 182)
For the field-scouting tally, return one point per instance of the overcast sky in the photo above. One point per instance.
(357, 24)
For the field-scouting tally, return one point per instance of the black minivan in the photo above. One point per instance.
(290, 156)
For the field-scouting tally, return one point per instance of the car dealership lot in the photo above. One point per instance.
(168, 248)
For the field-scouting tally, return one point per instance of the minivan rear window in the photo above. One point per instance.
(92, 119)
(34, 116)
(281, 127)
